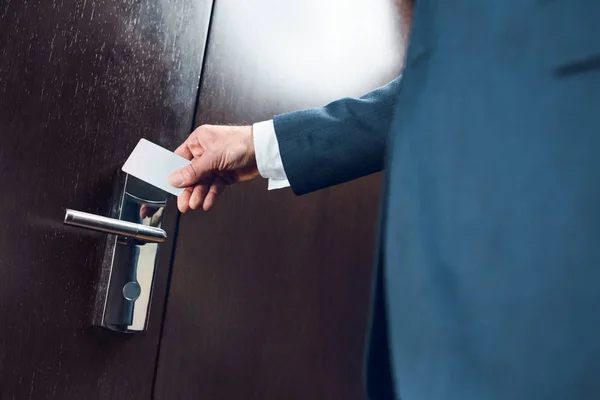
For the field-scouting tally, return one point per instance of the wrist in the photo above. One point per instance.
(253, 166)
(243, 151)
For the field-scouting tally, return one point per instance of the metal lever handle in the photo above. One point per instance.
(143, 233)
(126, 274)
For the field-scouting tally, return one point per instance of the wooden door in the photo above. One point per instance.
(81, 81)
(269, 293)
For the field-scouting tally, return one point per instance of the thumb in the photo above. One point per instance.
(200, 168)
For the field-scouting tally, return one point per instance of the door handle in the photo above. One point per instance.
(142, 233)
(126, 274)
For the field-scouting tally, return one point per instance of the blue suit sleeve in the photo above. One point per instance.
(344, 140)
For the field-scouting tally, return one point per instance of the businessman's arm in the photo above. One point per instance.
(319, 147)
(344, 140)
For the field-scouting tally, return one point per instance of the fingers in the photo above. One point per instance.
(144, 211)
(200, 168)
(191, 147)
(147, 211)
(204, 196)
(214, 192)
(183, 201)
(184, 151)
(198, 196)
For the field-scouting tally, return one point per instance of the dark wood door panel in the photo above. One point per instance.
(269, 294)
(80, 83)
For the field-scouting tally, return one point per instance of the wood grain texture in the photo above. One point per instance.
(81, 81)
(270, 292)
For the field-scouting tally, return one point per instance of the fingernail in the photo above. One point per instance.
(176, 179)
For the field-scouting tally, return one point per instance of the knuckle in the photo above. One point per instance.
(204, 130)
(190, 173)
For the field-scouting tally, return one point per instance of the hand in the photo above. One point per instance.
(220, 155)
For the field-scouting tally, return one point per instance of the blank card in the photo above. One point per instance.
(153, 164)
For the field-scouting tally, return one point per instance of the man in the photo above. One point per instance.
(488, 284)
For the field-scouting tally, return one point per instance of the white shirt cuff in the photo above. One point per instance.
(268, 158)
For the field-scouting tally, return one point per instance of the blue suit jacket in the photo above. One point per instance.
(489, 278)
